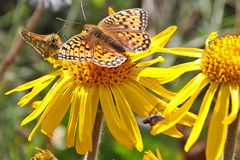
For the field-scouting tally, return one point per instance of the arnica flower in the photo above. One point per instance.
(219, 66)
(149, 155)
(43, 155)
(81, 87)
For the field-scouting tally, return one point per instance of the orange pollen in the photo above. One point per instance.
(221, 60)
(89, 74)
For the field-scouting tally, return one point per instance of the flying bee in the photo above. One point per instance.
(153, 119)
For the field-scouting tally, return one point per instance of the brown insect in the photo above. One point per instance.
(46, 45)
(153, 119)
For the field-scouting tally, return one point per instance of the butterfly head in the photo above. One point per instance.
(89, 27)
(54, 39)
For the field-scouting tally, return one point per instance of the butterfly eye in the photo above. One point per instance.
(53, 40)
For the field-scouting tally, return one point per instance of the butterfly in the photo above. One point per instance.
(105, 44)
(46, 45)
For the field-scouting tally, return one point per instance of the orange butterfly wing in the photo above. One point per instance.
(78, 48)
(127, 20)
(133, 41)
(128, 27)
(82, 48)
(106, 56)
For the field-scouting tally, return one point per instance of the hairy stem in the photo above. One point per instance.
(18, 43)
(231, 143)
(96, 136)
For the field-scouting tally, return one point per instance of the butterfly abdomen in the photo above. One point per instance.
(100, 35)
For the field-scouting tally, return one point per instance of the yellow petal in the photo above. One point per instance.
(150, 62)
(188, 120)
(191, 88)
(49, 100)
(36, 104)
(173, 132)
(110, 11)
(157, 43)
(51, 96)
(154, 86)
(196, 130)
(57, 112)
(93, 102)
(211, 37)
(173, 118)
(188, 52)
(35, 82)
(73, 117)
(43, 155)
(161, 39)
(87, 114)
(56, 62)
(158, 154)
(134, 93)
(114, 122)
(128, 117)
(169, 74)
(149, 155)
(234, 90)
(217, 129)
(35, 91)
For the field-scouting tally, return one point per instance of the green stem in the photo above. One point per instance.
(96, 136)
(73, 13)
(231, 143)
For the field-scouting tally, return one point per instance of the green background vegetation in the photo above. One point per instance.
(195, 20)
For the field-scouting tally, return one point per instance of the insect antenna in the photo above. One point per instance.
(65, 25)
(84, 16)
(66, 22)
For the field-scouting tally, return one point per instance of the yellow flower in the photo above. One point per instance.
(219, 63)
(43, 155)
(149, 155)
(80, 87)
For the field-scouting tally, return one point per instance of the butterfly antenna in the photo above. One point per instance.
(66, 21)
(64, 26)
(84, 16)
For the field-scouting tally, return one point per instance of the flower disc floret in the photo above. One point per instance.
(221, 60)
(89, 74)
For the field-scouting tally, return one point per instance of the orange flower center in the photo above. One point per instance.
(89, 74)
(221, 60)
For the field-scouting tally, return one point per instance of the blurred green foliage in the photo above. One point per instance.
(195, 20)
